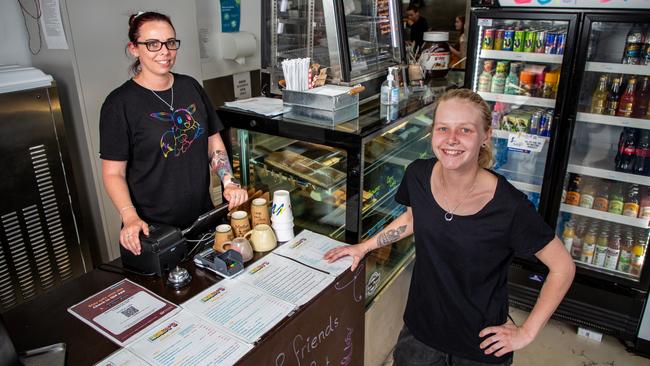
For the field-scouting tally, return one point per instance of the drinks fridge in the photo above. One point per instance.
(577, 82)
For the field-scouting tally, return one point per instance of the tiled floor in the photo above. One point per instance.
(559, 345)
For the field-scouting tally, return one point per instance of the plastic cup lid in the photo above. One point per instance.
(436, 36)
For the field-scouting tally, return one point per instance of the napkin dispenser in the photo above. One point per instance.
(161, 251)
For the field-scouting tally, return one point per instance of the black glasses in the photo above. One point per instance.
(154, 45)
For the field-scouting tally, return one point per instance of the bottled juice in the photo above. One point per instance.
(613, 252)
(602, 242)
(568, 234)
(626, 102)
(499, 79)
(601, 201)
(580, 230)
(588, 246)
(638, 256)
(612, 97)
(588, 194)
(512, 81)
(642, 99)
(526, 83)
(485, 79)
(625, 256)
(599, 98)
(549, 89)
(631, 205)
(573, 191)
(616, 199)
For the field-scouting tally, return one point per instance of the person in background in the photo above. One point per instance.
(159, 138)
(418, 25)
(469, 223)
(458, 49)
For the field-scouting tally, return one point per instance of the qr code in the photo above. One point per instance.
(130, 311)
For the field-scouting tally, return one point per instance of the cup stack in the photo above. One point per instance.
(281, 216)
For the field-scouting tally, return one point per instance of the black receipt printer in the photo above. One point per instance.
(161, 251)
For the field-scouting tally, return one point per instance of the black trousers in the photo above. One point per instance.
(411, 352)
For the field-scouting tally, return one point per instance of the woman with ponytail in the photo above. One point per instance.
(468, 222)
(159, 138)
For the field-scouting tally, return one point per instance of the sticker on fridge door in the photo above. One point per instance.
(526, 142)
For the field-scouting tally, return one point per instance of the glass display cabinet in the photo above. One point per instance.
(342, 179)
(357, 39)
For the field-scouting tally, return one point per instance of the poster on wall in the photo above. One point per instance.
(230, 15)
(609, 4)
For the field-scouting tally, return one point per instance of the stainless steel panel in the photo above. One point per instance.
(39, 241)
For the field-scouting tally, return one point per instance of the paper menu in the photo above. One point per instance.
(286, 279)
(122, 311)
(240, 309)
(122, 357)
(309, 247)
(185, 339)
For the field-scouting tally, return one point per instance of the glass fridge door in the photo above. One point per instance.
(373, 35)
(605, 206)
(517, 69)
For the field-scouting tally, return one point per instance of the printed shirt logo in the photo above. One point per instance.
(184, 130)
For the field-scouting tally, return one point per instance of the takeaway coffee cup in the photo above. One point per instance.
(283, 231)
(281, 207)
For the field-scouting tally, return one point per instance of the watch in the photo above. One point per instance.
(231, 180)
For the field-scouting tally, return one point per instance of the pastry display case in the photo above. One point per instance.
(357, 40)
(342, 179)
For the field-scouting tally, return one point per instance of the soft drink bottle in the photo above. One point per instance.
(626, 102)
(612, 97)
(642, 99)
(633, 45)
(642, 154)
(599, 98)
(626, 161)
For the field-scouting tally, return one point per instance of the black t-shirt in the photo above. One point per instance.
(459, 283)
(417, 31)
(166, 151)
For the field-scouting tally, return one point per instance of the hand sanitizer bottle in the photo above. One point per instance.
(389, 89)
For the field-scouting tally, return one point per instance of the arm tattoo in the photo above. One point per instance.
(390, 236)
(219, 164)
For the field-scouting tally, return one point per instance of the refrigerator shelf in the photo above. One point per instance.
(613, 120)
(526, 187)
(518, 99)
(606, 216)
(606, 270)
(617, 68)
(521, 56)
(503, 134)
(608, 174)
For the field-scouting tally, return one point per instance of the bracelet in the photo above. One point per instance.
(125, 208)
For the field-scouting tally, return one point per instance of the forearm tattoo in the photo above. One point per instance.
(219, 164)
(390, 236)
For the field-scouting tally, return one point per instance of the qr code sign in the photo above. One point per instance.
(130, 311)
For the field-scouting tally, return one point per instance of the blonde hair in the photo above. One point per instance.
(485, 154)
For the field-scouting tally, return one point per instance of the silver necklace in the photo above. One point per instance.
(170, 105)
(449, 214)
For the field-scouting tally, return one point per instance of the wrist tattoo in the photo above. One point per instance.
(219, 164)
(390, 236)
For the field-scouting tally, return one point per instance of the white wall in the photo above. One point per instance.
(13, 36)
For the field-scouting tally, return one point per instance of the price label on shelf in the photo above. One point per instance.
(525, 142)
(485, 22)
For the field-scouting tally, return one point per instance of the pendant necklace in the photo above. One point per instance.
(449, 214)
(170, 105)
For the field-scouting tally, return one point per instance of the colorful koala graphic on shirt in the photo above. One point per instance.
(183, 132)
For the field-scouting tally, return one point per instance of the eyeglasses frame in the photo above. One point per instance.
(162, 43)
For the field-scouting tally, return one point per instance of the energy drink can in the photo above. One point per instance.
(488, 39)
(529, 41)
(560, 43)
(540, 42)
(518, 42)
(498, 39)
(545, 124)
(508, 40)
(535, 121)
(550, 47)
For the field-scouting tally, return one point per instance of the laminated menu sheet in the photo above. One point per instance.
(122, 357)
(240, 309)
(309, 248)
(122, 311)
(286, 279)
(185, 339)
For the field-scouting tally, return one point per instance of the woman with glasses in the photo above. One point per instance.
(159, 138)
